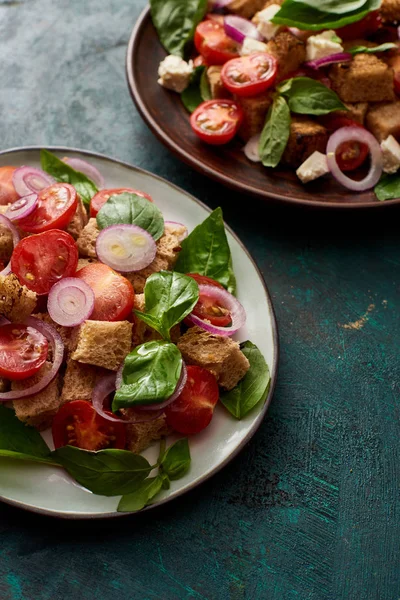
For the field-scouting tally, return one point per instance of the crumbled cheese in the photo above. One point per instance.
(391, 155)
(174, 73)
(264, 26)
(250, 45)
(323, 44)
(313, 167)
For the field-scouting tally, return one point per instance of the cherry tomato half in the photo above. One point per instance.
(361, 29)
(55, 208)
(204, 280)
(113, 293)
(23, 350)
(101, 198)
(352, 154)
(39, 261)
(250, 75)
(78, 424)
(213, 44)
(216, 121)
(192, 411)
(207, 307)
(7, 191)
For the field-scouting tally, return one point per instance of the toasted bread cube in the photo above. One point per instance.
(220, 355)
(140, 435)
(5, 385)
(356, 111)
(168, 248)
(306, 137)
(255, 109)
(390, 11)
(38, 410)
(84, 262)
(144, 333)
(217, 88)
(383, 120)
(16, 301)
(103, 343)
(365, 79)
(246, 8)
(138, 278)
(86, 241)
(66, 333)
(79, 381)
(289, 51)
(78, 221)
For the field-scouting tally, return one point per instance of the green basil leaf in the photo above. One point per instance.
(176, 21)
(141, 497)
(205, 90)
(27, 457)
(388, 188)
(150, 375)
(176, 460)
(15, 436)
(191, 96)
(365, 50)
(133, 210)
(61, 171)
(275, 134)
(338, 7)
(252, 388)
(169, 298)
(206, 251)
(107, 472)
(309, 97)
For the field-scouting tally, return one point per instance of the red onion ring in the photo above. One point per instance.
(87, 169)
(70, 302)
(125, 248)
(251, 149)
(15, 236)
(57, 347)
(238, 314)
(184, 234)
(22, 208)
(238, 28)
(356, 134)
(29, 179)
(329, 60)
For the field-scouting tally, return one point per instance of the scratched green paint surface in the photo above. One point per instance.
(310, 509)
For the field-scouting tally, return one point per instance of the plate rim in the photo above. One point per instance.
(220, 177)
(273, 368)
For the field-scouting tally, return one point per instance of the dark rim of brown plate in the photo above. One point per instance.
(274, 367)
(162, 135)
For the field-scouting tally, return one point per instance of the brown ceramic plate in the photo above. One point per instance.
(166, 116)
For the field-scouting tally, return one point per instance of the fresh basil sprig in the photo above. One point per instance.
(176, 21)
(306, 96)
(176, 461)
(364, 50)
(275, 134)
(133, 210)
(198, 89)
(62, 172)
(388, 187)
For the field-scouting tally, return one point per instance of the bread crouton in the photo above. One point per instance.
(306, 136)
(140, 435)
(356, 111)
(144, 333)
(16, 301)
(78, 221)
(246, 8)
(390, 11)
(138, 278)
(84, 262)
(177, 229)
(217, 88)
(255, 111)
(86, 241)
(5, 385)
(38, 410)
(289, 51)
(79, 381)
(66, 333)
(384, 120)
(103, 343)
(168, 248)
(220, 355)
(365, 79)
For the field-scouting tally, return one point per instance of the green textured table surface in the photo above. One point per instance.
(310, 509)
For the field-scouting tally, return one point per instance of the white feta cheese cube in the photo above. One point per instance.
(250, 45)
(263, 19)
(174, 73)
(323, 44)
(313, 167)
(391, 155)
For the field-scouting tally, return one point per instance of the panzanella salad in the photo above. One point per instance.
(115, 329)
(312, 85)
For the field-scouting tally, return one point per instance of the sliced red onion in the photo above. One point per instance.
(29, 179)
(355, 134)
(252, 150)
(339, 57)
(87, 169)
(15, 236)
(173, 223)
(178, 390)
(125, 248)
(70, 302)
(225, 299)
(239, 28)
(22, 207)
(57, 348)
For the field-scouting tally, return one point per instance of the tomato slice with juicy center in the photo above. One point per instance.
(192, 411)
(213, 44)
(250, 75)
(78, 424)
(101, 198)
(39, 261)
(350, 154)
(56, 207)
(8, 195)
(209, 308)
(23, 351)
(216, 121)
(361, 29)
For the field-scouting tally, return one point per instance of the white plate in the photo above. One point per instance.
(50, 490)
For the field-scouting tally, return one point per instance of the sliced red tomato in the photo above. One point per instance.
(101, 198)
(56, 207)
(23, 350)
(204, 280)
(213, 44)
(361, 29)
(352, 154)
(113, 294)
(192, 411)
(207, 308)
(216, 121)
(7, 190)
(39, 261)
(250, 75)
(78, 424)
